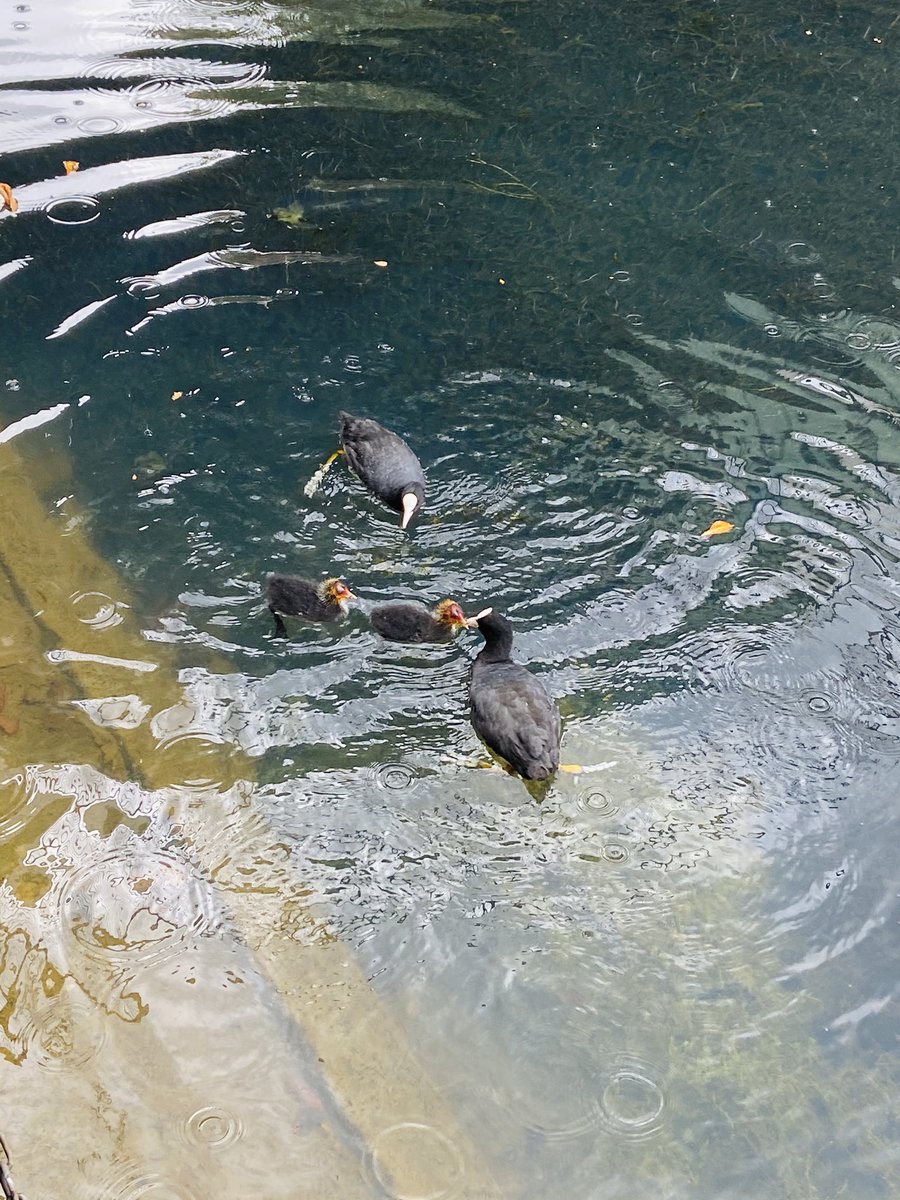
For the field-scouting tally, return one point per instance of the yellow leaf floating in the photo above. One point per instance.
(7, 199)
(71, 165)
(718, 527)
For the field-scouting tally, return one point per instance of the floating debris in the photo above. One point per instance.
(7, 199)
(716, 528)
(148, 466)
(291, 214)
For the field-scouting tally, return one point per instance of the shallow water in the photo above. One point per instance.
(264, 925)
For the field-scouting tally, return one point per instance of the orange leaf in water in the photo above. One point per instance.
(71, 165)
(7, 199)
(718, 527)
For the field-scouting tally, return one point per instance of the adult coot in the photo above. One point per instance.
(385, 464)
(510, 708)
(295, 597)
(413, 623)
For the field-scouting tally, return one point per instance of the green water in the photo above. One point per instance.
(640, 276)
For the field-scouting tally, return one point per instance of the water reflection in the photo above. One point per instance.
(124, 43)
(260, 907)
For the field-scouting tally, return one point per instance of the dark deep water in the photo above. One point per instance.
(616, 275)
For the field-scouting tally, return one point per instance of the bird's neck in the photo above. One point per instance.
(497, 649)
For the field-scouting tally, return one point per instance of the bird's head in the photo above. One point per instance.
(338, 592)
(448, 612)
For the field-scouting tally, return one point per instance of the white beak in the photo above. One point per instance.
(410, 504)
(473, 621)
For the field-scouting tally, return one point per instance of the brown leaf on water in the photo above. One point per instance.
(718, 527)
(71, 165)
(7, 199)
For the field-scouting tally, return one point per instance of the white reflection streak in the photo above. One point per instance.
(186, 223)
(63, 656)
(178, 306)
(95, 181)
(16, 264)
(32, 421)
(825, 387)
(178, 271)
(82, 314)
(240, 258)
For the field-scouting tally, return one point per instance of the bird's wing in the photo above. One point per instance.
(515, 717)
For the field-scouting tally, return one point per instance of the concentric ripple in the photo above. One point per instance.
(631, 1100)
(801, 254)
(598, 803)
(178, 98)
(183, 722)
(212, 1127)
(97, 610)
(556, 1098)
(66, 1033)
(135, 907)
(816, 702)
(100, 125)
(610, 849)
(415, 1161)
(24, 793)
(769, 668)
(73, 210)
(144, 287)
(16, 793)
(132, 1182)
(394, 776)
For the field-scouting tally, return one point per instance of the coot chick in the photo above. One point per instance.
(295, 597)
(413, 623)
(510, 709)
(385, 464)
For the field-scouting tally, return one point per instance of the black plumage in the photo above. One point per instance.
(511, 710)
(385, 464)
(290, 596)
(413, 623)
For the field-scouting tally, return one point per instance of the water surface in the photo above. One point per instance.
(264, 925)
